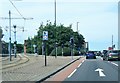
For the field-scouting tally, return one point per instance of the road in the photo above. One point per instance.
(94, 70)
(86, 72)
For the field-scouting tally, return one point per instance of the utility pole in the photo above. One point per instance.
(112, 42)
(77, 27)
(55, 13)
(10, 35)
(10, 29)
(15, 42)
(55, 32)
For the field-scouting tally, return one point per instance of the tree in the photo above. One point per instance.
(1, 33)
(59, 34)
(1, 36)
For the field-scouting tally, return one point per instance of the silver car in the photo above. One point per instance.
(112, 55)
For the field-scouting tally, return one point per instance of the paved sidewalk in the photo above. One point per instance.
(6, 63)
(34, 69)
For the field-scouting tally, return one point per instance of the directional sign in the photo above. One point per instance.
(45, 35)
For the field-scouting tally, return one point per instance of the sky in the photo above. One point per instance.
(98, 19)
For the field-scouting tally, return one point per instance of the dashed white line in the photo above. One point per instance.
(76, 69)
(79, 64)
(83, 61)
(72, 73)
(114, 64)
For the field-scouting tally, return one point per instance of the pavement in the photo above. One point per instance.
(32, 68)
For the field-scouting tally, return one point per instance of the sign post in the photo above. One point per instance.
(45, 38)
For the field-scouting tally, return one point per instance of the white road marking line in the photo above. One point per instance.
(79, 64)
(114, 64)
(72, 73)
(83, 61)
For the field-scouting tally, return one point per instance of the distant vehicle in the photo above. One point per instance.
(90, 55)
(104, 53)
(98, 53)
(119, 55)
(112, 55)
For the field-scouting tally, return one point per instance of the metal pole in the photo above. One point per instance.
(112, 42)
(45, 54)
(55, 32)
(42, 48)
(62, 51)
(15, 40)
(77, 26)
(56, 50)
(55, 13)
(10, 35)
(72, 52)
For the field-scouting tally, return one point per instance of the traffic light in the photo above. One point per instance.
(62, 45)
(15, 42)
(25, 42)
(71, 40)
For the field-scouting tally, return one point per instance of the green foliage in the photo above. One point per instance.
(1, 33)
(59, 34)
(66, 52)
(19, 48)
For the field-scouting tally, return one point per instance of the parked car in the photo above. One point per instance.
(112, 55)
(90, 55)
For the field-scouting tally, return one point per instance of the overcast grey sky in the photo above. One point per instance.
(98, 20)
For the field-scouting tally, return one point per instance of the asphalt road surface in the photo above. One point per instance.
(95, 70)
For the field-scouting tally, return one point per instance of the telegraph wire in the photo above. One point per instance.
(17, 9)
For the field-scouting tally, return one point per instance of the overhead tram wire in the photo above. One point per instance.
(20, 13)
(17, 9)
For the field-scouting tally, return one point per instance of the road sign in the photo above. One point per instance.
(45, 35)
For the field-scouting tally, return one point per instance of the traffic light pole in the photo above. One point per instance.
(15, 40)
(10, 36)
(71, 43)
(72, 51)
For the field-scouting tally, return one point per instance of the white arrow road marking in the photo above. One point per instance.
(72, 73)
(101, 74)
